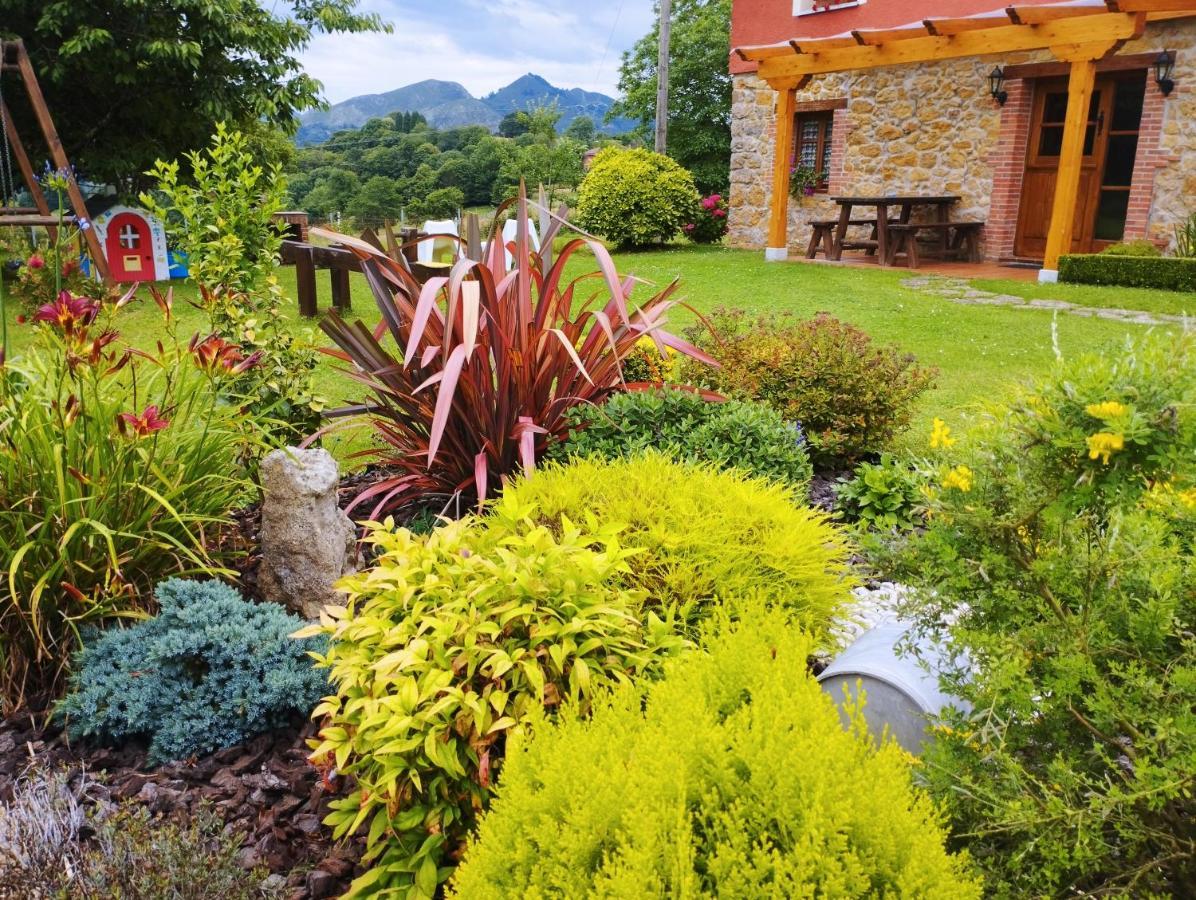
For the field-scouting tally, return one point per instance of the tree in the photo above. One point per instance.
(582, 130)
(554, 167)
(130, 82)
(541, 121)
(699, 89)
(512, 125)
(407, 122)
(379, 198)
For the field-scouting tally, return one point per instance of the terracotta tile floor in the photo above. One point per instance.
(934, 267)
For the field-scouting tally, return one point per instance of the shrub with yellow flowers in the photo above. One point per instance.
(1060, 544)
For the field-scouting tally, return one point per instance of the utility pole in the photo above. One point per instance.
(662, 79)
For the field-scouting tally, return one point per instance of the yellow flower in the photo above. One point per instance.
(1188, 498)
(959, 478)
(940, 435)
(1109, 409)
(1104, 444)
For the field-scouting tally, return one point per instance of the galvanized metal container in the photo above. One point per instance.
(901, 695)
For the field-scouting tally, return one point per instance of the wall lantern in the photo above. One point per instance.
(996, 85)
(1164, 65)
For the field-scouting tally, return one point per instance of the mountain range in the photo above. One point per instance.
(447, 104)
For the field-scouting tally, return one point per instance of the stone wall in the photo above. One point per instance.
(932, 128)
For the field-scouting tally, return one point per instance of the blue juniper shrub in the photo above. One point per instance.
(211, 670)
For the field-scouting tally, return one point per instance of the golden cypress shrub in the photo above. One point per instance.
(731, 777)
(704, 535)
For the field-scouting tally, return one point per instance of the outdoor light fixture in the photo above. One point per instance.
(1164, 65)
(996, 85)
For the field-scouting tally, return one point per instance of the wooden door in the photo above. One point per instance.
(130, 249)
(1110, 146)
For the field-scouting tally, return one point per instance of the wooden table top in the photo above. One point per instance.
(898, 198)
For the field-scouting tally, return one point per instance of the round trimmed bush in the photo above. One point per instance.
(731, 777)
(732, 435)
(635, 198)
(704, 535)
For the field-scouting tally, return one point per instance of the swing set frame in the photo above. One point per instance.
(14, 58)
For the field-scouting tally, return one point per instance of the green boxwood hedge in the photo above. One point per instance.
(1162, 272)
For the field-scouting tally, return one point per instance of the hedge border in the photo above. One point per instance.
(1168, 273)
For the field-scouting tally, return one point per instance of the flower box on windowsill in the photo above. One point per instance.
(809, 7)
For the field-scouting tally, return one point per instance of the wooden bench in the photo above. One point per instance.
(823, 237)
(960, 240)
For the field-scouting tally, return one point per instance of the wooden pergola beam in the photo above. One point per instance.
(1038, 15)
(817, 59)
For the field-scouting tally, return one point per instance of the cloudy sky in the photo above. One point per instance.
(483, 44)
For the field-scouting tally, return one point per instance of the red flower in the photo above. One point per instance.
(719, 213)
(69, 313)
(145, 424)
(717, 199)
(36, 262)
(214, 353)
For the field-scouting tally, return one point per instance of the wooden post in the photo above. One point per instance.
(662, 78)
(342, 297)
(27, 173)
(1071, 158)
(778, 217)
(305, 282)
(58, 155)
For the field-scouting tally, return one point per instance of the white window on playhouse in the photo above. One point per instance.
(809, 7)
(129, 237)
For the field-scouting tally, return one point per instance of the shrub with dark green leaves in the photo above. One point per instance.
(731, 777)
(635, 198)
(850, 396)
(1062, 542)
(732, 435)
(209, 671)
(1163, 273)
(448, 646)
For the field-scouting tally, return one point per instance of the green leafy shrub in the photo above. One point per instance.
(1163, 273)
(706, 535)
(885, 494)
(850, 396)
(446, 648)
(1132, 248)
(731, 777)
(1063, 541)
(708, 225)
(635, 198)
(222, 218)
(210, 670)
(732, 435)
(116, 468)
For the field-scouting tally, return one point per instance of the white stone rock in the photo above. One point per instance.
(307, 542)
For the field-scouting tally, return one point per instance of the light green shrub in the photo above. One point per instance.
(448, 645)
(1062, 541)
(750, 437)
(731, 777)
(706, 535)
(635, 198)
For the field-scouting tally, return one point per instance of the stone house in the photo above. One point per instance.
(900, 96)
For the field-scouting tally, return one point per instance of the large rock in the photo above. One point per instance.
(307, 542)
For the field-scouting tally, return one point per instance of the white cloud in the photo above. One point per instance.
(483, 45)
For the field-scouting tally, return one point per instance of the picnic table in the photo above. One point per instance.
(879, 242)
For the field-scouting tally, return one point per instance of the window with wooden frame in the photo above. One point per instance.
(812, 135)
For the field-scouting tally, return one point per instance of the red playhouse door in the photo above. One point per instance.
(130, 251)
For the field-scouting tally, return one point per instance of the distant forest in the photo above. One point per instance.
(397, 165)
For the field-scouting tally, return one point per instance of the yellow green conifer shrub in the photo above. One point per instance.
(705, 535)
(447, 645)
(731, 777)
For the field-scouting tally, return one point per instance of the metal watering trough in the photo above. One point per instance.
(901, 695)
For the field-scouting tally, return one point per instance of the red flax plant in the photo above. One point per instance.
(488, 361)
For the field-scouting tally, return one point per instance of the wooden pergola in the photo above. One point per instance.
(1079, 33)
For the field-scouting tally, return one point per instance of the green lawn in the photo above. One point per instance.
(978, 350)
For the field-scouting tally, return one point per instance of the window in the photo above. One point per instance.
(808, 7)
(812, 144)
